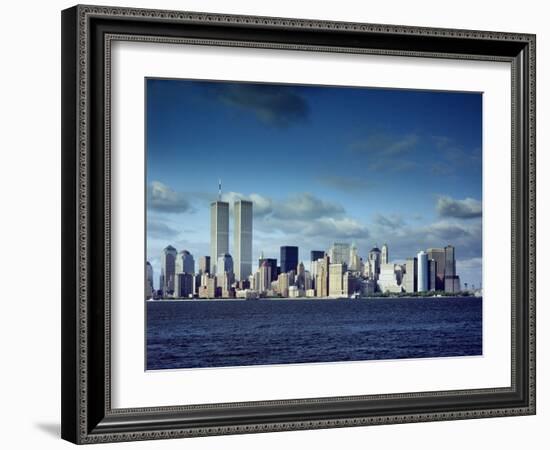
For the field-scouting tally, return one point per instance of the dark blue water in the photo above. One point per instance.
(241, 333)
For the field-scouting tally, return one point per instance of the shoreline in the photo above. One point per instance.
(206, 300)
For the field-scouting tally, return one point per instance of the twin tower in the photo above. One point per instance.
(242, 236)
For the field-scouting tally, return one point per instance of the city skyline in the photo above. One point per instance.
(388, 171)
(338, 272)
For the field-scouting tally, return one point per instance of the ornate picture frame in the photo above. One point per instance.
(87, 35)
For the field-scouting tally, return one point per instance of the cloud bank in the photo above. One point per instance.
(273, 105)
(162, 198)
(468, 208)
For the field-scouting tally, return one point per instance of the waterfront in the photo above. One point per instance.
(192, 334)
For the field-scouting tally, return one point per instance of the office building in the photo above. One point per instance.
(450, 270)
(368, 287)
(308, 280)
(197, 283)
(350, 284)
(384, 257)
(410, 276)
(339, 253)
(225, 284)
(185, 263)
(219, 232)
(149, 281)
(242, 242)
(272, 262)
(211, 287)
(438, 255)
(224, 265)
(374, 261)
(432, 274)
(300, 275)
(422, 271)
(168, 270)
(289, 258)
(367, 269)
(336, 280)
(283, 285)
(294, 292)
(314, 256)
(204, 264)
(354, 259)
(322, 277)
(264, 277)
(184, 285)
(389, 279)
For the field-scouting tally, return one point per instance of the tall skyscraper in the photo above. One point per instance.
(432, 274)
(168, 269)
(422, 271)
(204, 264)
(322, 277)
(185, 263)
(289, 258)
(336, 279)
(374, 259)
(272, 263)
(314, 256)
(219, 231)
(438, 255)
(411, 274)
(149, 281)
(339, 253)
(301, 276)
(242, 243)
(385, 257)
(354, 260)
(450, 267)
(452, 281)
(224, 265)
(265, 277)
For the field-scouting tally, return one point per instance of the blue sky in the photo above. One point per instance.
(321, 164)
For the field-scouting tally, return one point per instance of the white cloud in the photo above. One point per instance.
(163, 198)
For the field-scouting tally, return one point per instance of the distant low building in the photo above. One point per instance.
(368, 287)
(294, 292)
(247, 294)
(350, 284)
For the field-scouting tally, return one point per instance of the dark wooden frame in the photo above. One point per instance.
(87, 32)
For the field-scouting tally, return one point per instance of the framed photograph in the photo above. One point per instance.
(278, 224)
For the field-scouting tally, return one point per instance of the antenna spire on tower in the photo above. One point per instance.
(219, 189)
